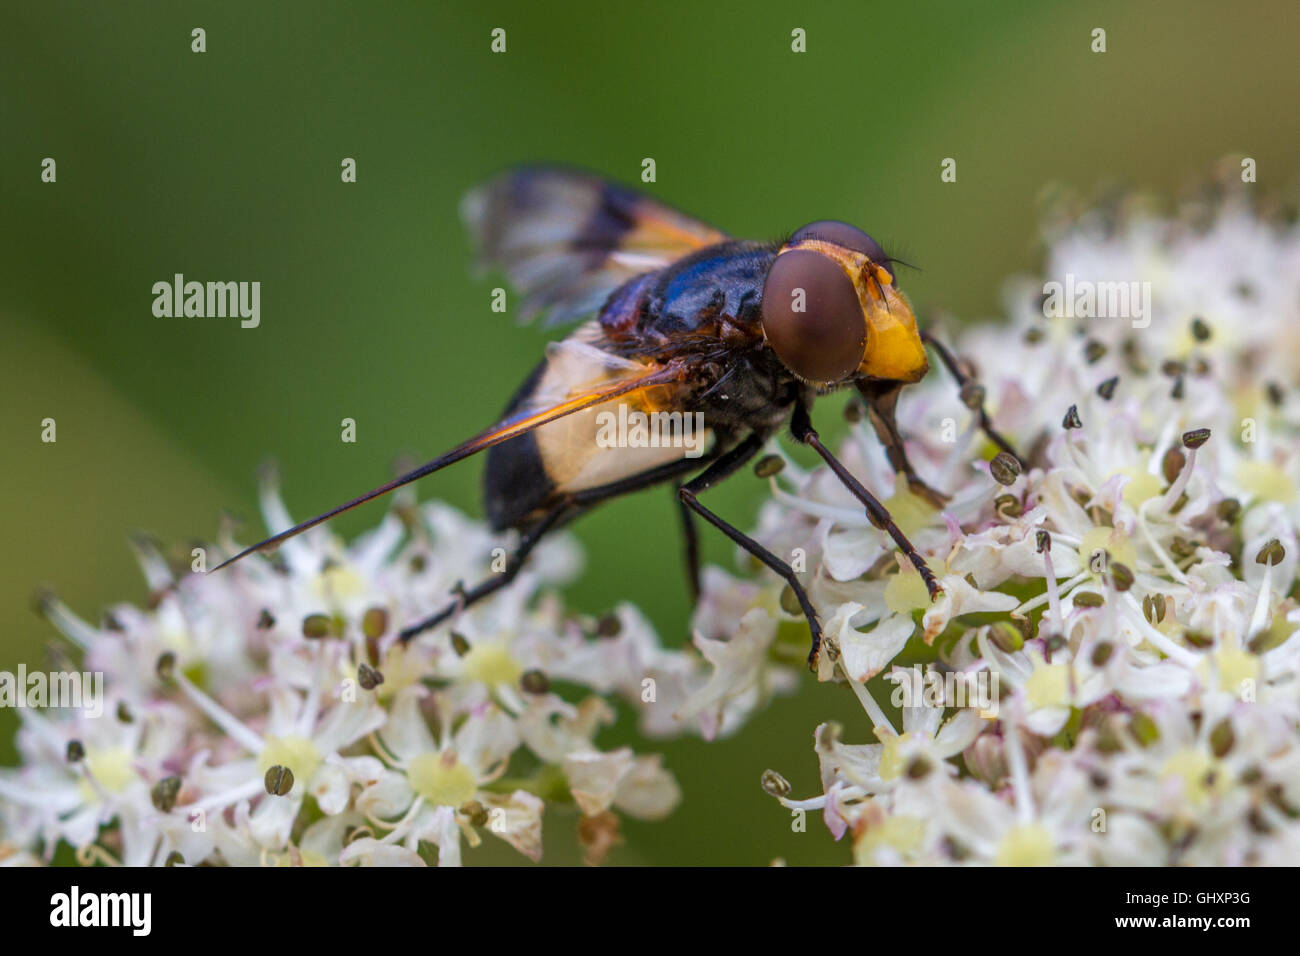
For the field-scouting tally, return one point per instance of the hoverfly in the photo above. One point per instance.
(681, 318)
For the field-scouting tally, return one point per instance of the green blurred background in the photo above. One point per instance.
(225, 165)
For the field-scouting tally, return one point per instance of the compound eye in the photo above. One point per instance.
(842, 234)
(812, 317)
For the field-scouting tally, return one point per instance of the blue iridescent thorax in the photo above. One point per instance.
(725, 279)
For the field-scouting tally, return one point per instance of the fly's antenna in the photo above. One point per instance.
(881, 289)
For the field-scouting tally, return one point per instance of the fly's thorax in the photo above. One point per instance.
(723, 280)
(750, 391)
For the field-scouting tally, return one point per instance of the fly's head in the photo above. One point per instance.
(832, 312)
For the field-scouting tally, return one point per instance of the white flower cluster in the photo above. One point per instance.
(1125, 606)
(1130, 597)
(267, 713)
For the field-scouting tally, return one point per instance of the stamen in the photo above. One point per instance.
(152, 563)
(1166, 646)
(226, 798)
(1053, 595)
(1191, 441)
(69, 624)
(403, 825)
(842, 516)
(232, 725)
(878, 719)
(1170, 567)
(1259, 620)
(1019, 772)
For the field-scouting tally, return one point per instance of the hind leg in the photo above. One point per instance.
(567, 508)
(530, 540)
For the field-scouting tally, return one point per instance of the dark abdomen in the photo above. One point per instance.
(515, 484)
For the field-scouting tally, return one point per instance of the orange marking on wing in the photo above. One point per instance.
(660, 375)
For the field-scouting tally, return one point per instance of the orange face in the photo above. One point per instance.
(831, 311)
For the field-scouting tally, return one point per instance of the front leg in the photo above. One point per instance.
(801, 428)
(881, 399)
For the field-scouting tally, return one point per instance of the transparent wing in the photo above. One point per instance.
(567, 239)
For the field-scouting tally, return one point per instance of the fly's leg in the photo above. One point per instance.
(881, 399)
(514, 563)
(972, 396)
(569, 507)
(801, 427)
(692, 543)
(716, 472)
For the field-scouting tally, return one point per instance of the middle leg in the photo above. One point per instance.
(725, 466)
(692, 543)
